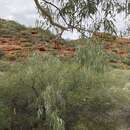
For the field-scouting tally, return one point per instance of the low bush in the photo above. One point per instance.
(47, 93)
(1, 54)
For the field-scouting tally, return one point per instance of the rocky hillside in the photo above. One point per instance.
(19, 41)
(117, 49)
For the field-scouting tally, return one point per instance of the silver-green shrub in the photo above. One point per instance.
(47, 93)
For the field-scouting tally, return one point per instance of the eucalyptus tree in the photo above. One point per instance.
(81, 15)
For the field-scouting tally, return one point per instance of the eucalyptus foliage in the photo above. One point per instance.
(81, 15)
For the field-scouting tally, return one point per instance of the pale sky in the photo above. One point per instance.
(24, 12)
(20, 10)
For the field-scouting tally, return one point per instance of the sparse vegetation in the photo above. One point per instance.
(82, 93)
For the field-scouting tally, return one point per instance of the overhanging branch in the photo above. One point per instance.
(50, 19)
(44, 13)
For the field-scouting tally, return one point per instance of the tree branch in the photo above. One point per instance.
(49, 17)
(58, 10)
